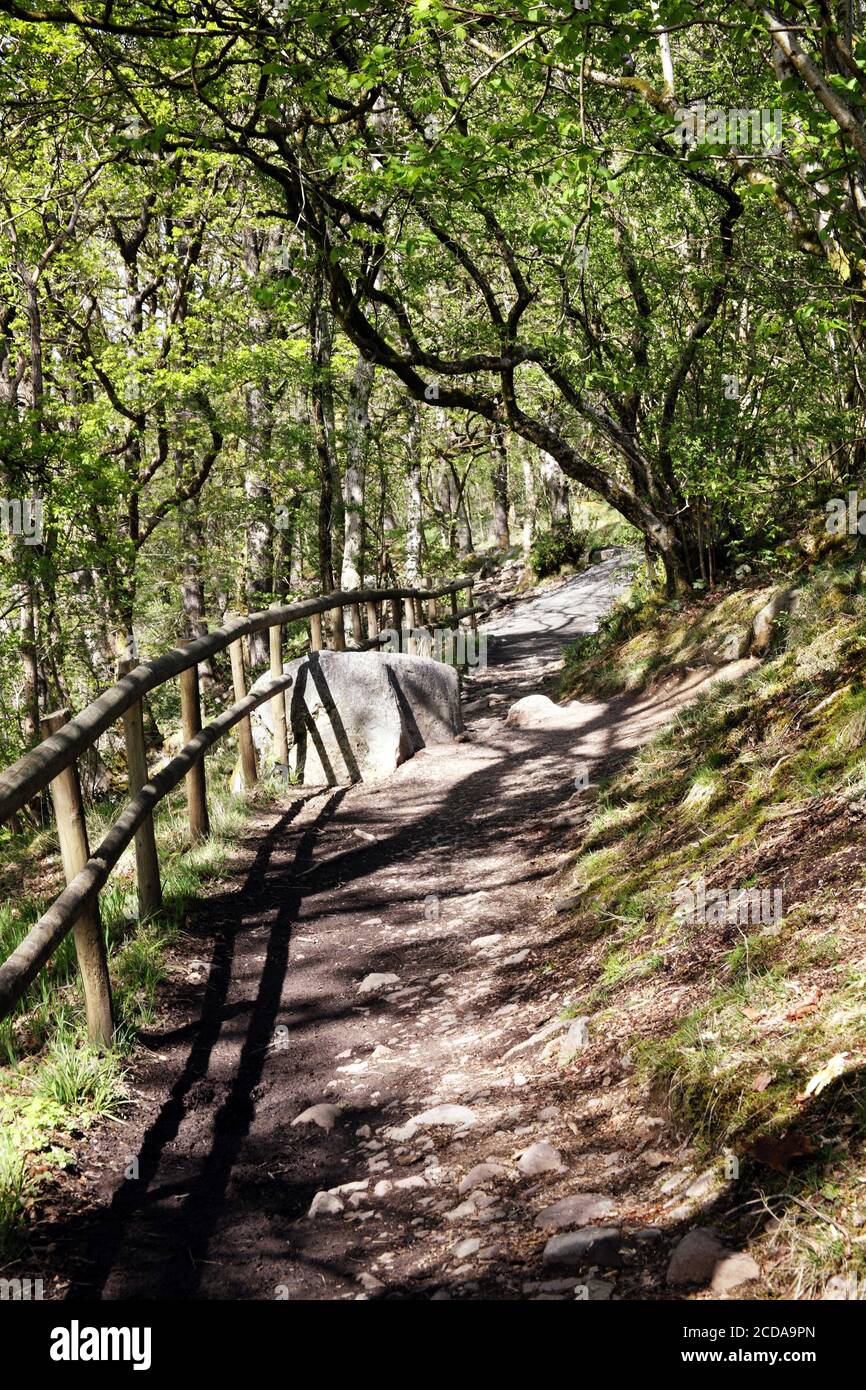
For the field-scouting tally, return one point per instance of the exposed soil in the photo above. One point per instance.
(443, 877)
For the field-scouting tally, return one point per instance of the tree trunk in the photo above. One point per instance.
(529, 498)
(501, 535)
(555, 486)
(413, 495)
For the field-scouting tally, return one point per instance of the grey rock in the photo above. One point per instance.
(370, 983)
(323, 1115)
(593, 1291)
(578, 1210)
(766, 622)
(480, 1176)
(575, 1040)
(455, 1115)
(732, 1271)
(356, 716)
(595, 1245)
(556, 1025)
(540, 1158)
(325, 1204)
(532, 712)
(694, 1258)
(464, 1248)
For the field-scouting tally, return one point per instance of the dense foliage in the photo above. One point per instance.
(291, 298)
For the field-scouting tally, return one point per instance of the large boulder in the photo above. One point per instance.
(766, 623)
(356, 716)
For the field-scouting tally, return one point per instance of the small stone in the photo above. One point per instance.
(703, 1185)
(457, 1115)
(594, 1291)
(732, 1271)
(540, 1158)
(370, 1282)
(383, 1187)
(376, 981)
(579, 1210)
(480, 1175)
(595, 1245)
(575, 1040)
(323, 1115)
(482, 942)
(325, 1204)
(556, 1025)
(565, 905)
(694, 1258)
(464, 1248)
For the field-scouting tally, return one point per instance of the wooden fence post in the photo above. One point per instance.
(245, 729)
(372, 619)
(473, 621)
(278, 704)
(357, 629)
(196, 787)
(338, 630)
(146, 857)
(75, 852)
(409, 622)
(453, 596)
(431, 604)
(397, 622)
(315, 632)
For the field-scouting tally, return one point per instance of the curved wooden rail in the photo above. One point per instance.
(46, 935)
(34, 770)
(54, 761)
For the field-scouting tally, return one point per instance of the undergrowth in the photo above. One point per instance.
(759, 784)
(52, 1082)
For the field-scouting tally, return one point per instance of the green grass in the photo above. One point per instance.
(51, 1080)
(733, 790)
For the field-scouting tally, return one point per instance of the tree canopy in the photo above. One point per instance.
(340, 289)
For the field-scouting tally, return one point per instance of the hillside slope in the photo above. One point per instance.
(744, 1011)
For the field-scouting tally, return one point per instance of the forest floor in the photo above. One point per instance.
(396, 954)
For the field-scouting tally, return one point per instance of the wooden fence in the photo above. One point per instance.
(54, 763)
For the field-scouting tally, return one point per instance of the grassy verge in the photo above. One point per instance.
(748, 1018)
(52, 1083)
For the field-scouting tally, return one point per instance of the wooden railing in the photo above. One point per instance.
(54, 763)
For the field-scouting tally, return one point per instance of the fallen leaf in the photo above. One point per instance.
(833, 1069)
(762, 1081)
(808, 1007)
(778, 1153)
(753, 1014)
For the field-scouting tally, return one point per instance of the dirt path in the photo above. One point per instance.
(437, 880)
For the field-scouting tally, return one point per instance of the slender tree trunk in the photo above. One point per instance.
(260, 528)
(556, 489)
(192, 597)
(413, 494)
(501, 535)
(529, 498)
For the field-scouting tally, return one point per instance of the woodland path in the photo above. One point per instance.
(266, 1018)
